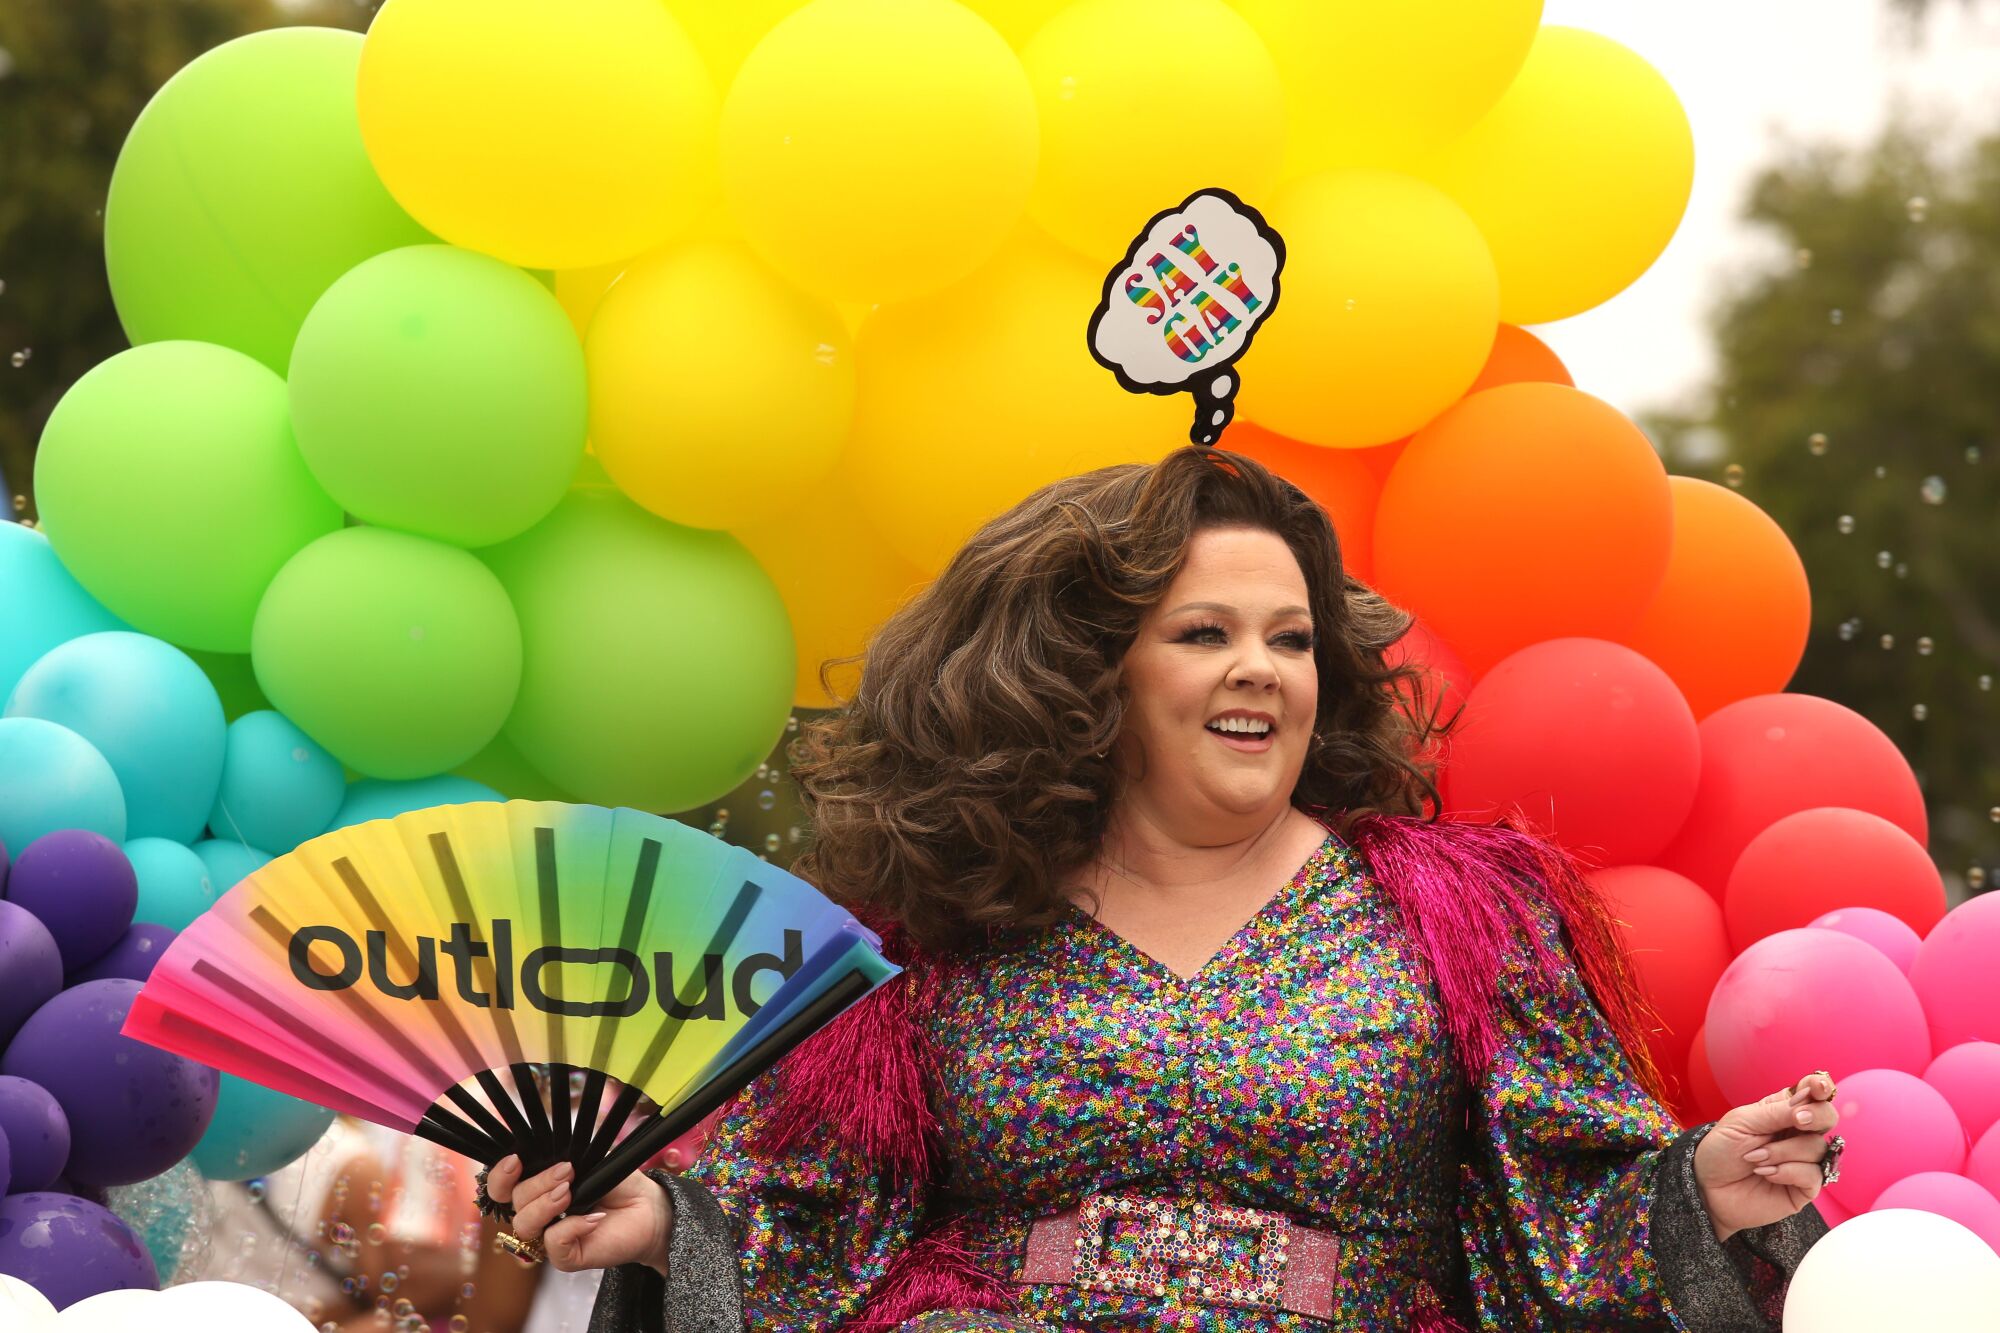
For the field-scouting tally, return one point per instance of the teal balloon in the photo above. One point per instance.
(243, 191)
(175, 886)
(51, 778)
(43, 603)
(228, 862)
(279, 786)
(256, 1131)
(373, 798)
(148, 709)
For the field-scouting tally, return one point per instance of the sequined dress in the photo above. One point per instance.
(1304, 1072)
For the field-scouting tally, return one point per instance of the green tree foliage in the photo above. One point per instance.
(1858, 401)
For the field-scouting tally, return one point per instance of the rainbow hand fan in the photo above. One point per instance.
(397, 969)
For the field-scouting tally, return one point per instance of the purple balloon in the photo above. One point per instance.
(82, 887)
(132, 957)
(134, 1110)
(69, 1248)
(4, 863)
(6, 1163)
(37, 1133)
(30, 967)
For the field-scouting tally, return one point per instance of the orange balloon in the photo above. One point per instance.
(1518, 356)
(1731, 619)
(1343, 483)
(1527, 512)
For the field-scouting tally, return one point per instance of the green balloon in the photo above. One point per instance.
(399, 654)
(170, 486)
(658, 658)
(235, 682)
(440, 392)
(242, 192)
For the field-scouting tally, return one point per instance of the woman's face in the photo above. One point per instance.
(1232, 638)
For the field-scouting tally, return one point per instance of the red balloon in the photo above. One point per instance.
(1592, 742)
(1673, 932)
(1778, 754)
(1704, 1093)
(1815, 861)
(1450, 683)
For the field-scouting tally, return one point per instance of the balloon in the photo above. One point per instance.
(235, 681)
(1017, 20)
(440, 392)
(928, 373)
(1389, 308)
(724, 34)
(371, 798)
(134, 1110)
(1775, 755)
(279, 787)
(31, 970)
(1382, 83)
(501, 768)
(81, 886)
(1897, 942)
(233, 1305)
(114, 1311)
(36, 1130)
(1704, 1097)
(1519, 357)
(174, 1219)
(1731, 618)
(150, 712)
(230, 862)
(132, 957)
(1588, 739)
(1895, 1269)
(256, 1131)
(1970, 1205)
(169, 482)
(46, 606)
(1953, 973)
(1895, 1125)
(1673, 932)
(1983, 1162)
(1096, 74)
(51, 778)
(624, 618)
(1817, 860)
(879, 150)
(29, 1310)
(1577, 177)
(1802, 1000)
(1449, 683)
(242, 192)
(399, 654)
(1347, 488)
(1832, 1213)
(738, 420)
(1527, 512)
(1968, 1075)
(174, 885)
(69, 1248)
(549, 136)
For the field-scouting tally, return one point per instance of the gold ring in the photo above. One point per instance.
(529, 1250)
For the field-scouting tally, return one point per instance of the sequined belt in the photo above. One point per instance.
(1222, 1255)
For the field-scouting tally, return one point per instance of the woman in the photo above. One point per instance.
(1125, 1085)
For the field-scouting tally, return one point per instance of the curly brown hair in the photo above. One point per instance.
(962, 781)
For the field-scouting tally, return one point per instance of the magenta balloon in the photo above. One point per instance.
(30, 967)
(69, 1248)
(1895, 1125)
(1968, 1075)
(1965, 1202)
(1957, 973)
(1872, 925)
(1831, 1212)
(37, 1133)
(1983, 1162)
(1810, 999)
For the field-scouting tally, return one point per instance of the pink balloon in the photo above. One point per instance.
(1872, 925)
(1776, 754)
(1592, 741)
(1957, 973)
(1970, 1205)
(1806, 999)
(1982, 1164)
(1815, 861)
(1968, 1075)
(1831, 1211)
(1895, 1125)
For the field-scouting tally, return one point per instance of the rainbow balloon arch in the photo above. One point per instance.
(525, 399)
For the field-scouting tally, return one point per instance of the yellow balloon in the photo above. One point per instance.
(552, 136)
(1578, 178)
(971, 399)
(581, 290)
(1378, 82)
(875, 150)
(717, 392)
(839, 578)
(1386, 310)
(1118, 144)
(1017, 20)
(725, 31)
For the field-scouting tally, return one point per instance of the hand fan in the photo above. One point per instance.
(433, 971)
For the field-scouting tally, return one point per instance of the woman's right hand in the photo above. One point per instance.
(630, 1225)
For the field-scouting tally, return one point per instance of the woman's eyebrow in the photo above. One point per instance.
(1228, 610)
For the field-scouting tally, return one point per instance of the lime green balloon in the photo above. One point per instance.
(440, 392)
(658, 659)
(399, 654)
(242, 192)
(170, 486)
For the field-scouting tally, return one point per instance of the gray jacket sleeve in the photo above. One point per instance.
(703, 1290)
(1733, 1286)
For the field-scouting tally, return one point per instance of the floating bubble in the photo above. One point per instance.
(772, 842)
(377, 1233)
(1919, 712)
(1925, 645)
(766, 799)
(1972, 453)
(1849, 628)
(20, 503)
(1902, 570)
(1883, 560)
(1846, 525)
(1833, 316)
(1888, 642)
(1816, 442)
(1986, 683)
(1975, 877)
(792, 722)
(20, 358)
(1933, 490)
(1803, 258)
(792, 834)
(1994, 814)
(1917, 207)
(722, 814)
(1733, 474)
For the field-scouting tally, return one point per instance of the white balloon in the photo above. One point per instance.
(1897, 1268)
(204, 1307)
(22, 1307)
(109, 1312)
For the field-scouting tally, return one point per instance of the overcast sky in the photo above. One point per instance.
(1754, 73)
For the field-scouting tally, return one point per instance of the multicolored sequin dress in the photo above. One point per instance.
(1280, 1144)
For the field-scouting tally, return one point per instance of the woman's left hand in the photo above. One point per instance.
(1761, 1162)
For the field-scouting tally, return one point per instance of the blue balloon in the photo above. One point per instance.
(378, 798)
(148, 709)
(45, 606)
(279, 787)
(51, 778)
(228, 862)
(256, 1131)
(174, 883)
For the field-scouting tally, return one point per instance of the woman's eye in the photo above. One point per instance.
(1301, 642)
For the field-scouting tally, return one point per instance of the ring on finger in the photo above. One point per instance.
(1829, 1164)
(530, 1251)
